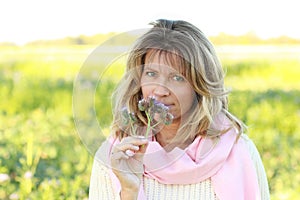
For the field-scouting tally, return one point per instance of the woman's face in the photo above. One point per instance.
(163, 81)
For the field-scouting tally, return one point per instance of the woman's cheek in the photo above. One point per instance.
(146, 91)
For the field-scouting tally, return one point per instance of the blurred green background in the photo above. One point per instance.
(42, 156)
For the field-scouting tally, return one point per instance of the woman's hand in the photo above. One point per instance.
(127, 163)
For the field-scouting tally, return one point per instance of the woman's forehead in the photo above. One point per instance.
(164, 57)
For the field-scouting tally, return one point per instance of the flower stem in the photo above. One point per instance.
(159, 122)
(148, 124)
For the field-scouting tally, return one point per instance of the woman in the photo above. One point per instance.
(203, 153)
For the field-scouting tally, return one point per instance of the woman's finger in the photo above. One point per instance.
(119, 155)
(135, 140)
(126, 146)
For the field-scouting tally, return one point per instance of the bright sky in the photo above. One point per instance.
(23, 21)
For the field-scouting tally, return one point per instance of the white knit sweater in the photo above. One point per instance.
(101, 184)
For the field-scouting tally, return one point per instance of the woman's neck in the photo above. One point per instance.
(167, 134)
(166, 137)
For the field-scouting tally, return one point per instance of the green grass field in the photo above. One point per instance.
(42, 156)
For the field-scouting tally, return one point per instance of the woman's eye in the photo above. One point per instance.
(151, 74)
(178, 78)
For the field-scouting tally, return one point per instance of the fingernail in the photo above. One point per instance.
(129, 153)
(136, 148)
(140, 137)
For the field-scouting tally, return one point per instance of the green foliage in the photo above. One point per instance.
(83, 40)
(250, 38)
(261, 73)
(42, 156)
(273, 118)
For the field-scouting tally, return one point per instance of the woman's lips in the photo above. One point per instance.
(169, 105)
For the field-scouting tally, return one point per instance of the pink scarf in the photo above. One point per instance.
(227, 163)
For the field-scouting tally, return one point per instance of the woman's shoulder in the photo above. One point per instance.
(101, 162)
(102, 155)
(257, 161)
(248, 143)
(251, 148)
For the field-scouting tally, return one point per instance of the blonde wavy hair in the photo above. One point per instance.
(199, 64)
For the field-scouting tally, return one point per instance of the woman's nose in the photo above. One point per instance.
(161, 90)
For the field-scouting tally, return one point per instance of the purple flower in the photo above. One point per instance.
(152, 109)
(168, 119)
(125, 116)
(143, 105)
(129, 121)
(151, 101)
(132, 117)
